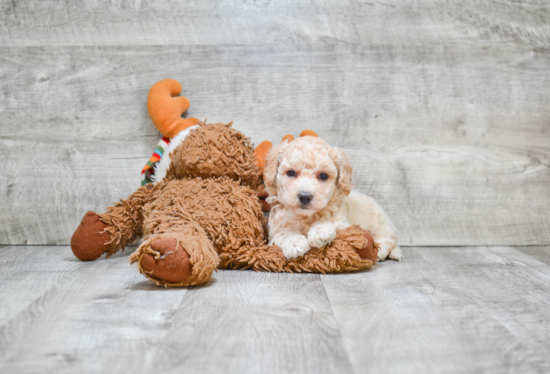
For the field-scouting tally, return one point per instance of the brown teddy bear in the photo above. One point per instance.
(203, 212)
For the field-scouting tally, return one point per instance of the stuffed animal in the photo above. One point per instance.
(202, 210)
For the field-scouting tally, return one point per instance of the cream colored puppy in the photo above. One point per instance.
(309, 186)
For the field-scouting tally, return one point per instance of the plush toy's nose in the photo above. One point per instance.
(305, 197)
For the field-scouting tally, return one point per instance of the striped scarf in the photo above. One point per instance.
(149, 169)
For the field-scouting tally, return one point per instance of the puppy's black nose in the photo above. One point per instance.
(305, 197)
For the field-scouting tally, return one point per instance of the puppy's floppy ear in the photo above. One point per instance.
(345, 170)
(273, 159)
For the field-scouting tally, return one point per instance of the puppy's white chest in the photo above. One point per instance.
(299, 227)
(303, 226)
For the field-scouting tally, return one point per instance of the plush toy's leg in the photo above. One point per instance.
(182, 257)
(352, 250)
(113, 230)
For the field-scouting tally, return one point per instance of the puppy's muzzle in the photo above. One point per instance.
(305, 198)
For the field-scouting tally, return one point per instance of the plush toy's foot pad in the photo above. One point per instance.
(370, 250)
(265, 205)
(91, 239)
(173, 266)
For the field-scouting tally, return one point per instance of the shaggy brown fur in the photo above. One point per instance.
(215, 150)
(125, 219)
(208, 207)
(228, 212)
(202, 255)
(339, 257)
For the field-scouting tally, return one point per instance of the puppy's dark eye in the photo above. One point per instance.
(323, 176)
(291, 173)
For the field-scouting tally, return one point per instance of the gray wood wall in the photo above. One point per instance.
(443, 107)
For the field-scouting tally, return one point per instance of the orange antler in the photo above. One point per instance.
(308, 133)
(290, 137)
(165, 108)
(261, 152)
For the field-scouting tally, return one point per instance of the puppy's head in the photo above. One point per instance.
(306, 174)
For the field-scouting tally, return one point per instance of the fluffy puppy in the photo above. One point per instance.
(309, 186)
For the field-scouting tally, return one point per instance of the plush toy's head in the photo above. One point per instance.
(214, 150)
(196, 149)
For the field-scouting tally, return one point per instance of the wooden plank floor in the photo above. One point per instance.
(443, 309)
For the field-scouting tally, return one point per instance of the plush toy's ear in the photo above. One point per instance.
(274, 158)
(345, 170)
(165, 108)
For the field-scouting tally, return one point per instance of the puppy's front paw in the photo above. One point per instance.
(321, 235)
(295, 246)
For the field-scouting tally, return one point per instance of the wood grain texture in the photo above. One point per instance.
(31, 270)
(456, 310)
(442, 108)
(453, 310)
(77, 142)
(130, 22)
(106, 315)
(257, 323)
(541, 253)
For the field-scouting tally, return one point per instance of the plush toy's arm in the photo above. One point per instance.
(353, 249)
(111, 231)
(125, 219)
